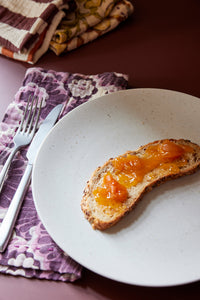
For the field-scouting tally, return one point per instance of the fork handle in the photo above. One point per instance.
(7, 165)
(9, 220)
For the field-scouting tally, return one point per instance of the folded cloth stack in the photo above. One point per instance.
(91, 19)
(28, 27)
(31, 252)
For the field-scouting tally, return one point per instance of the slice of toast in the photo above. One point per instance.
(103, 209)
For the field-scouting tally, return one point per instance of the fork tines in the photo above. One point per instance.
(30, 117)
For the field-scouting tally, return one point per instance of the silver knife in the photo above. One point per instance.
(9, 220)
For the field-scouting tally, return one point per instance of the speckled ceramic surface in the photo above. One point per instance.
(158, 243)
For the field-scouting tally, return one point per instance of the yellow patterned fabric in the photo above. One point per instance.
(91, 19)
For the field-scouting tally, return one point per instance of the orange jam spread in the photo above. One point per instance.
(111, 191)
(129, 170)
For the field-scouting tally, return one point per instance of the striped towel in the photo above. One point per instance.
(27, 26)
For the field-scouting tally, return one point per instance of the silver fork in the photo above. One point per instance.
(24, 133)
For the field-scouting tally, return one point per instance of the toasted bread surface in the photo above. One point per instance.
(103, 216)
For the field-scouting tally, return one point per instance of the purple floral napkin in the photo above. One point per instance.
(31, 251)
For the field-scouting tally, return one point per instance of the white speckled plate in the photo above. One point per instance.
(158, 243)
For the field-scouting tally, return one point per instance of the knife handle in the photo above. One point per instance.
(7, 225)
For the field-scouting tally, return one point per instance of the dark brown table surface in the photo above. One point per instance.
(158, 47)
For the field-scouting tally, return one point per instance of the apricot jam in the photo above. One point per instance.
(111, 192)
(129, 170)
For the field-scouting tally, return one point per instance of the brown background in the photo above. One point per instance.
(158, 47)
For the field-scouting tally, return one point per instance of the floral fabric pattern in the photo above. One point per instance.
(91, 19)
(31, 252)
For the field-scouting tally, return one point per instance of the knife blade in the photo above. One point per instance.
(44, 129)
(9, 220)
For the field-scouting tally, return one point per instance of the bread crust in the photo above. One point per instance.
(101, 217)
